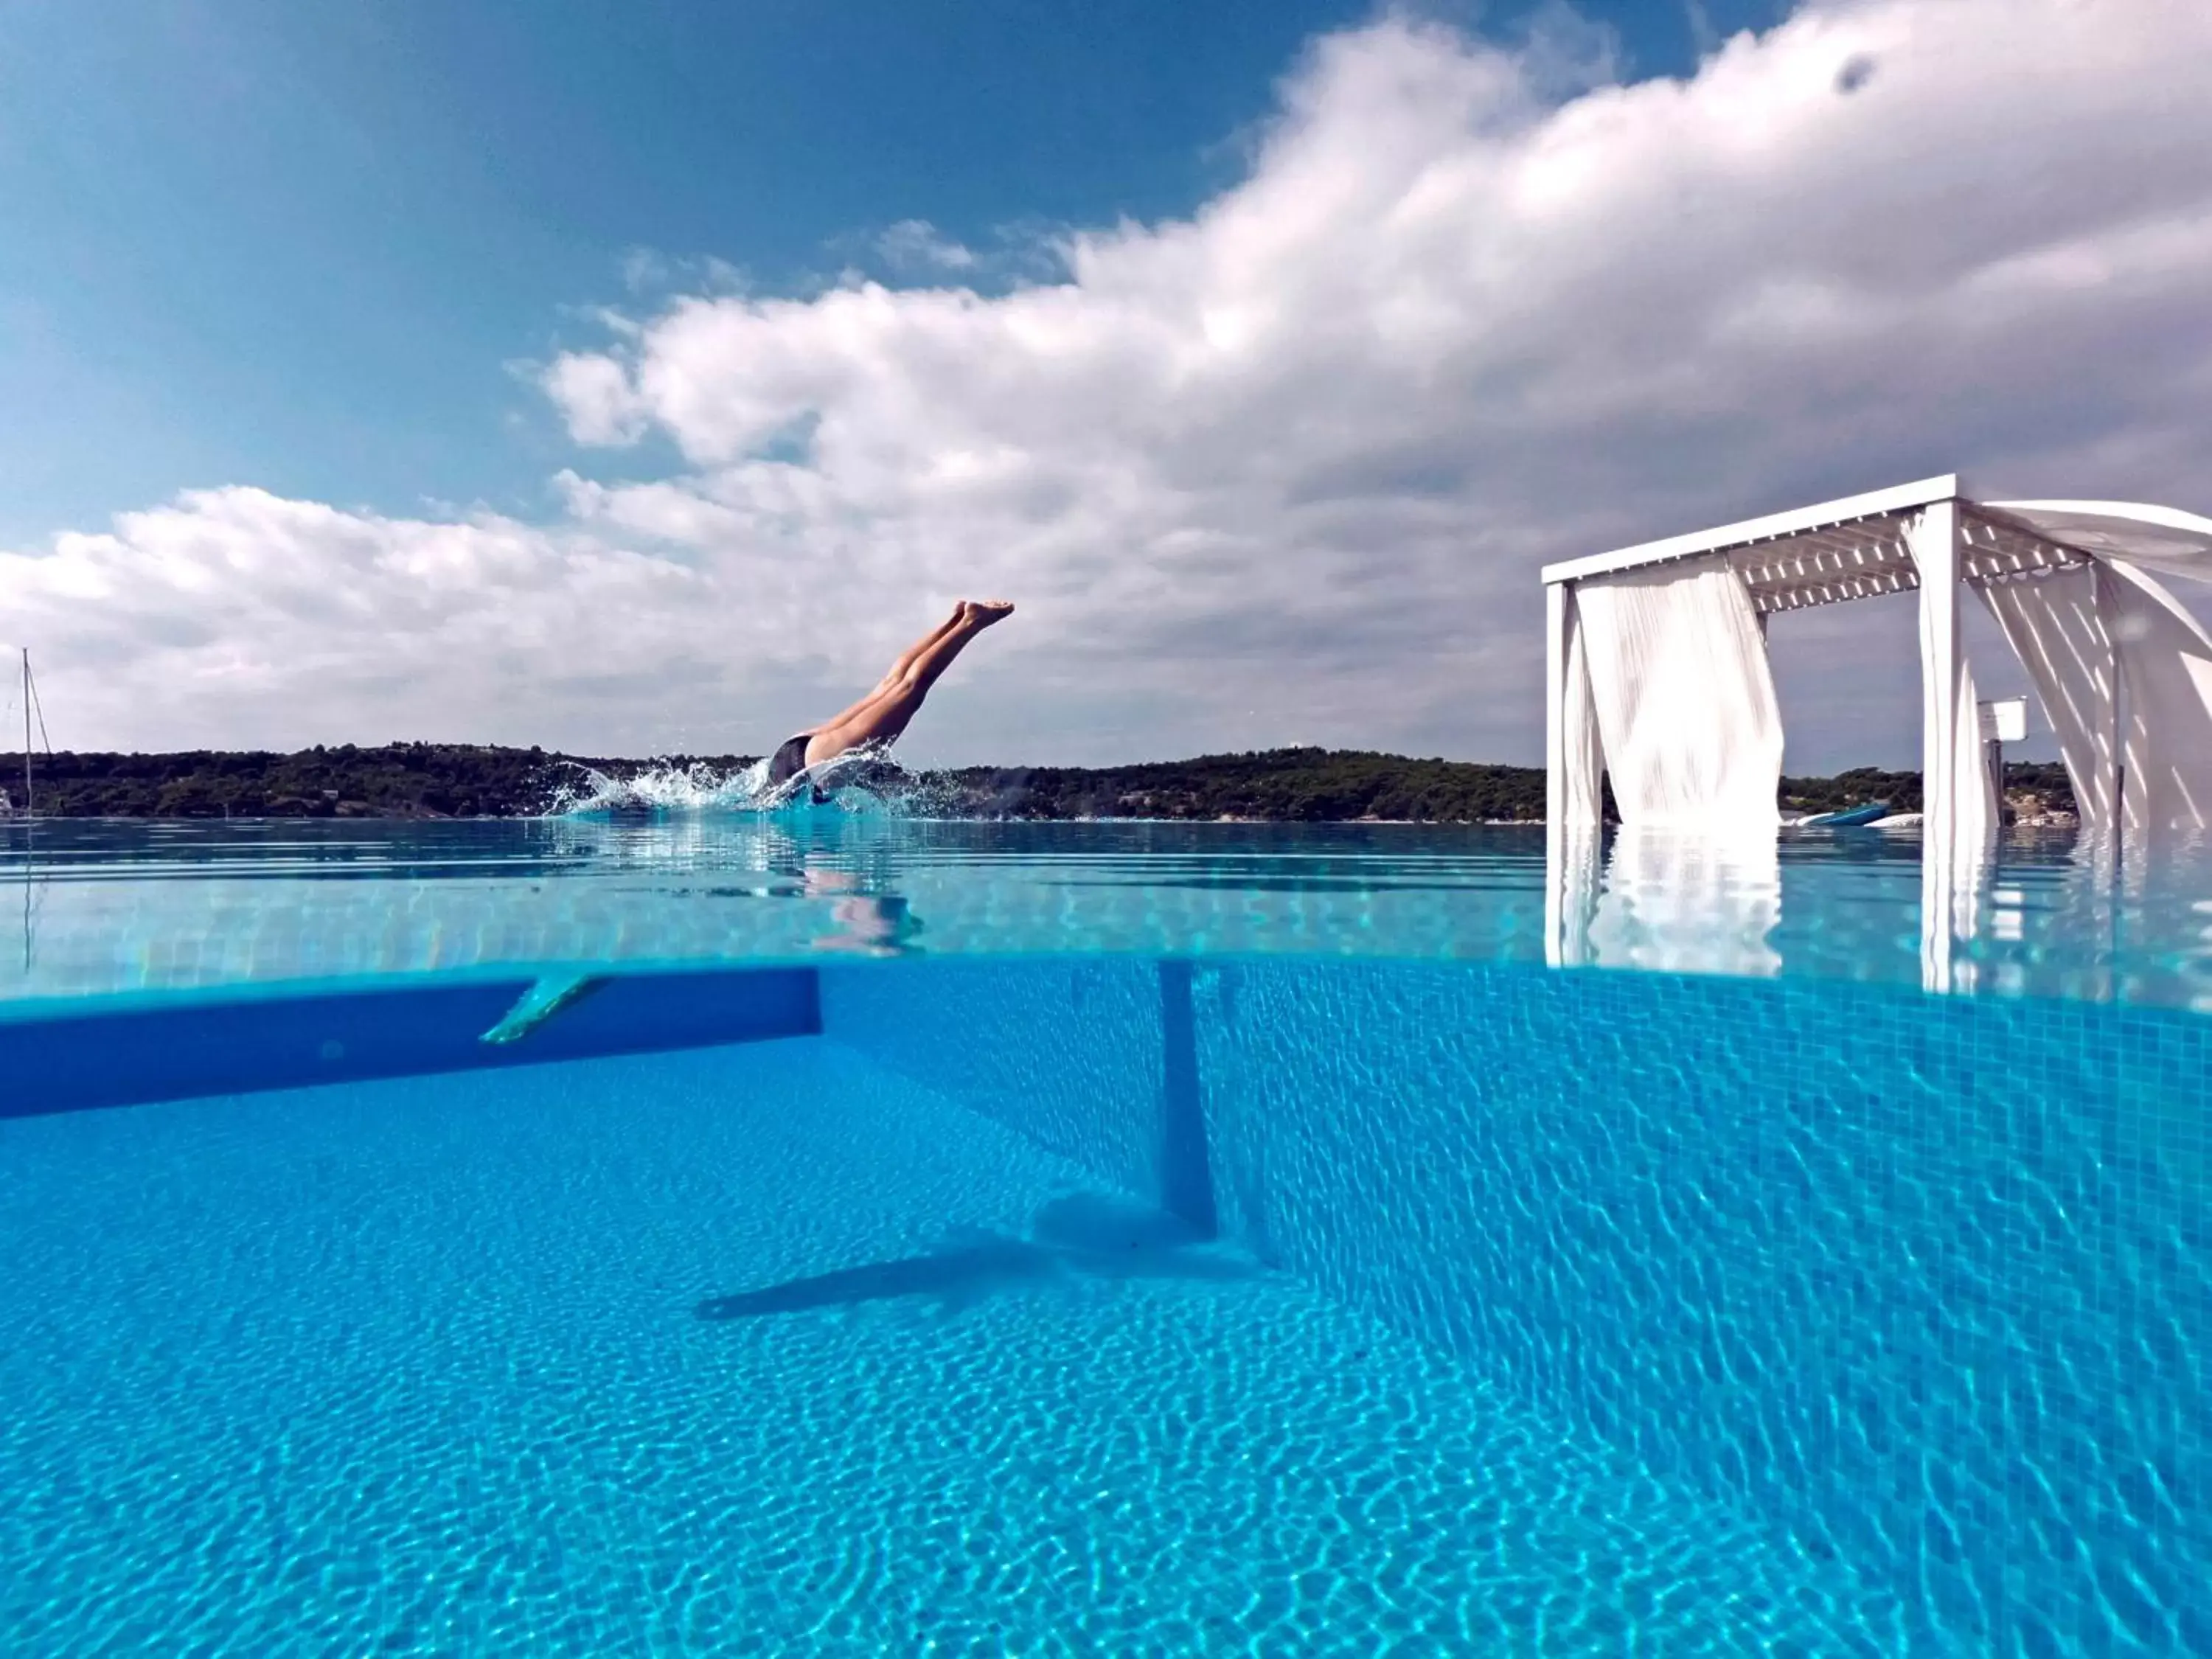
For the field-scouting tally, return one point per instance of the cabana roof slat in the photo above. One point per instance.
(1851, 548)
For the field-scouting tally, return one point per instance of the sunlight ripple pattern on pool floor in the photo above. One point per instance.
(467, 1365)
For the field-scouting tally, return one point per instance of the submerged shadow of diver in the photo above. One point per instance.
(1080, 1236)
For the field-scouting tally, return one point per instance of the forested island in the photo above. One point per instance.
(1310, 785)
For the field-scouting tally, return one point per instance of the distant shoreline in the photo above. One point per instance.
(419, 781)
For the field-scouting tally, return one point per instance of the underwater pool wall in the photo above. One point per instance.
(1924, 1281)
(1095, 1060)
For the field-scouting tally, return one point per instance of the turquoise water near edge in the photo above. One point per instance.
(106, 908)
(1154, 1240)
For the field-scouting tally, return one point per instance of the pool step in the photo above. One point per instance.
(85, 1058)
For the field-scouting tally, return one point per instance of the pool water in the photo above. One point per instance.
(1003, 1263)
(445, 1367)
(104, 907)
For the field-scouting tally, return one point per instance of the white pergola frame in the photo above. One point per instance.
(1927, 535)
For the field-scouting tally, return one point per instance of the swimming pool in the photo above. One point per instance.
(1133, 1239)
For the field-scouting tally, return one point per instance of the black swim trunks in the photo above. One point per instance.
(788, 761)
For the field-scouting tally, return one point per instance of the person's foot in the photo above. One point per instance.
(984, 612)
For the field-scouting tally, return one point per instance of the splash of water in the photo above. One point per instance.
(658, 786)
(862, 780)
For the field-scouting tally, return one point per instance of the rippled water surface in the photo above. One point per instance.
(107, 907)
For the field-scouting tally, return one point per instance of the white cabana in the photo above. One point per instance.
(1657, 676)
(1657, 670)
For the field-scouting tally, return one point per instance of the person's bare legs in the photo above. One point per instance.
(898, 669)
(896, 672)
(886, 712)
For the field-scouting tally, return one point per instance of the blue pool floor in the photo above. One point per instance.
(758, 1349)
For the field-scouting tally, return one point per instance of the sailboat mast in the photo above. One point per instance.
(27, 731)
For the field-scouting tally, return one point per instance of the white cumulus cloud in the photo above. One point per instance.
(1284, 469)
(233, 618)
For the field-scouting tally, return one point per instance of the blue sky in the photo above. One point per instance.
(628, 377)
(301, 243)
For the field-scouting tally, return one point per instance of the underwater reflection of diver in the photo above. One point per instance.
(869, 924)
(874, 927)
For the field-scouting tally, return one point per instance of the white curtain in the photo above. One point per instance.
(2160, 538)
(1582, 756)
(2106, 638)
(1683, 697)
(1573, 821)
(2165, 680)
(2056, 628)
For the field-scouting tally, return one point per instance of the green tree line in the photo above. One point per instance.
(1314, 786)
